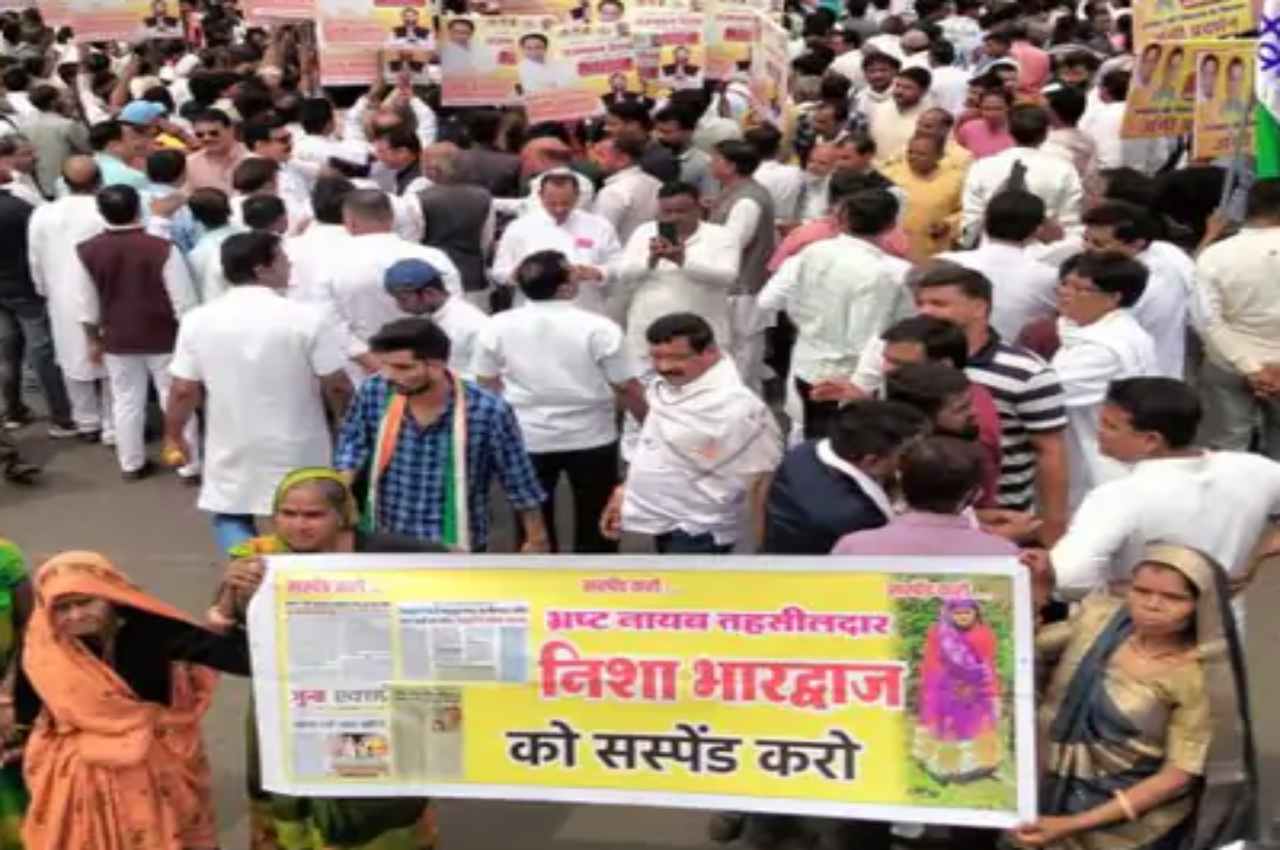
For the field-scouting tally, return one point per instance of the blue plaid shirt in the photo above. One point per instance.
(411, 490)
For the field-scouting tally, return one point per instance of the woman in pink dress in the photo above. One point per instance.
(987, 133)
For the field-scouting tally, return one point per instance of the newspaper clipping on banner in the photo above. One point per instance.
(670, 42)
(585, 63)
(357, 35)
(1162, 94)
(1182, 20)
(770, 70)
(1224, 120)
(729, 683)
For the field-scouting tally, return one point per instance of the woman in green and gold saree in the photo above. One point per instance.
(15, 606)
(1144, 728)
(314, 513)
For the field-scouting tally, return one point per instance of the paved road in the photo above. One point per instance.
(152, 530)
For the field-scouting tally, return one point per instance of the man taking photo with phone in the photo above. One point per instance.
(678, 264)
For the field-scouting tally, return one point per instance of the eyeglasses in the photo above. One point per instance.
(208, 134)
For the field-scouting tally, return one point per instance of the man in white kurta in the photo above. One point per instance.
(705, 451)
(1101, 342)
(354, 291)
(692, 276)
(1177, 492)
(53, 233)
(265, 365)
(588, 240)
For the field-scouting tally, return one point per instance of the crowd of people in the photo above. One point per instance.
(942, 308)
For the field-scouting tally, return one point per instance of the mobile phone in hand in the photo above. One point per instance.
(667, 231)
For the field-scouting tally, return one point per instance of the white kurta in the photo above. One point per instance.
(354, 289)
(258, 356)
(584, 238)
(1091, 357)
(55, 230)
(463, 322)
(1194, 501)
(701, 285)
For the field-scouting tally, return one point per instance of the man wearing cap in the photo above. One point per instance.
(354, 287)
(419, 290)
(248, 353)
(141, 122)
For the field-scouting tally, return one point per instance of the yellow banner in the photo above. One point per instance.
(1162, 93)
(1224, 120)
(770, 70)
(1182, 20)
(890, 688)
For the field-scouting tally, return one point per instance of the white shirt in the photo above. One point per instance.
(353, 123)
(950, 88)
(1236, 289)
(354, 288)
(840, 294)
(541, 76)
(559, 365)
(1022, 288)
(53, 234)
(464, 60)
(1193, 501)
(628, 199)
(1163, 313)
(205, 260)
(849, 66)
(697, 452)
(1089, 359)
(785, 184)
(318, 149)
(1054, 180)
(815, 199)
(463, 322)
(258, 356)
(585, 238)
(711, 260)
(313, 255)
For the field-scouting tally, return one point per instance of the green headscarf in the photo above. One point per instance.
(274, 544)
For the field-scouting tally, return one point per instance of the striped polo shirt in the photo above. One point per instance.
(1028, 398)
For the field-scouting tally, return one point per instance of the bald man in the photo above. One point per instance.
(52, 236)
(537, 157)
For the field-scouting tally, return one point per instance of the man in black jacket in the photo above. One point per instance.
(24, 326)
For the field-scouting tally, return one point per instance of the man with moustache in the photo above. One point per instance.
(426, 445)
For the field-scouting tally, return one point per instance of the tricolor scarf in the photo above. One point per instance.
(456, 527)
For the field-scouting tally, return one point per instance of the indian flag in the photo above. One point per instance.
(1267, 84)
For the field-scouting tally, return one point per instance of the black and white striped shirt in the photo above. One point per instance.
(1029, 401)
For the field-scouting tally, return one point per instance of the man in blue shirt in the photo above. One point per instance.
(428, 444)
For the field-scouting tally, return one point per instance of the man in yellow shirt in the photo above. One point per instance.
(931, 217)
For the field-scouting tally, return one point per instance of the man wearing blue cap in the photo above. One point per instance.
(419, 290)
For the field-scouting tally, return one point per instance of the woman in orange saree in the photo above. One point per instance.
(116, 682)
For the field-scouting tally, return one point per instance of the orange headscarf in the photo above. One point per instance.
(105, 769)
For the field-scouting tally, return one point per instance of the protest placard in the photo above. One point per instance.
(806, 685)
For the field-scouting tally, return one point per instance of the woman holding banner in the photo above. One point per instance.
(1145, 736)
(314, 512)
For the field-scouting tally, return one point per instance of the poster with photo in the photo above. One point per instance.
(1224, 119)
(116, 20)
(731, 30)
(353, 32)
(586, 63)
(671, 45)
(1162, 94)
(479, 56)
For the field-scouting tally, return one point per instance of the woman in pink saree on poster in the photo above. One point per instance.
(957, 735)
